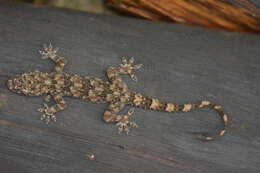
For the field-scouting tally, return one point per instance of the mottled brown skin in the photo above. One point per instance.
(58, 84)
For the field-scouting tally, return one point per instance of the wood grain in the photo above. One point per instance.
(181, 64)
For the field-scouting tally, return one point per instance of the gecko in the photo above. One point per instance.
(58, 84)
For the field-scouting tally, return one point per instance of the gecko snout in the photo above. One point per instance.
(10, 84)
(14, 84)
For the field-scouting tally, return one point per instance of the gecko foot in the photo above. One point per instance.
(47, 98)
(123, 123)
(47, 115)
(48, 51)
(128, 66)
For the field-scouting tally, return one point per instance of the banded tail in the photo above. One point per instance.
(139, 100)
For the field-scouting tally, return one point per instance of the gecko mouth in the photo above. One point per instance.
(14, 84)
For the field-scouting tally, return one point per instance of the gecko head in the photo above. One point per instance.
(19, 84)
(26, 83)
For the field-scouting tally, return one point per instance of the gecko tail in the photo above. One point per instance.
(155, 104)
(170, 107)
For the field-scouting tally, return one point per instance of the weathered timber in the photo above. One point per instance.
(181, 64)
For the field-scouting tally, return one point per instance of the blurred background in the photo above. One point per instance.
(231, 15)
(94, 6)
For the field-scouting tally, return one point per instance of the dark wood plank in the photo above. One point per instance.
(182, 64)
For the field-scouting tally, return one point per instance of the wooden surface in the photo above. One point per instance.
(181, 64)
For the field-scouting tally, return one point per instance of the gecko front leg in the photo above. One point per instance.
(50, 52)
(48, 112)
(121, 120)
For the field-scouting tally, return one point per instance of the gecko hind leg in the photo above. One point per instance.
(127, 68)
(50, 52)
(121, 120)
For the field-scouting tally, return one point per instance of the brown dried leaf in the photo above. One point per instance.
(233, 15)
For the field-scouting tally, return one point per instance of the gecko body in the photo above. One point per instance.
(58, 84)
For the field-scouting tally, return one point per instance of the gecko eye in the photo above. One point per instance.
(17, 82)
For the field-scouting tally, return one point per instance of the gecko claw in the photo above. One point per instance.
(47, 118)
(124, 60)
(131, 60)
(48, 51)
(47, 114)
(124, 124)
(129, 67)
(134, 77)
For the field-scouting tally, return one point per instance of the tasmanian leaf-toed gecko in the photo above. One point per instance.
(59, 84)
